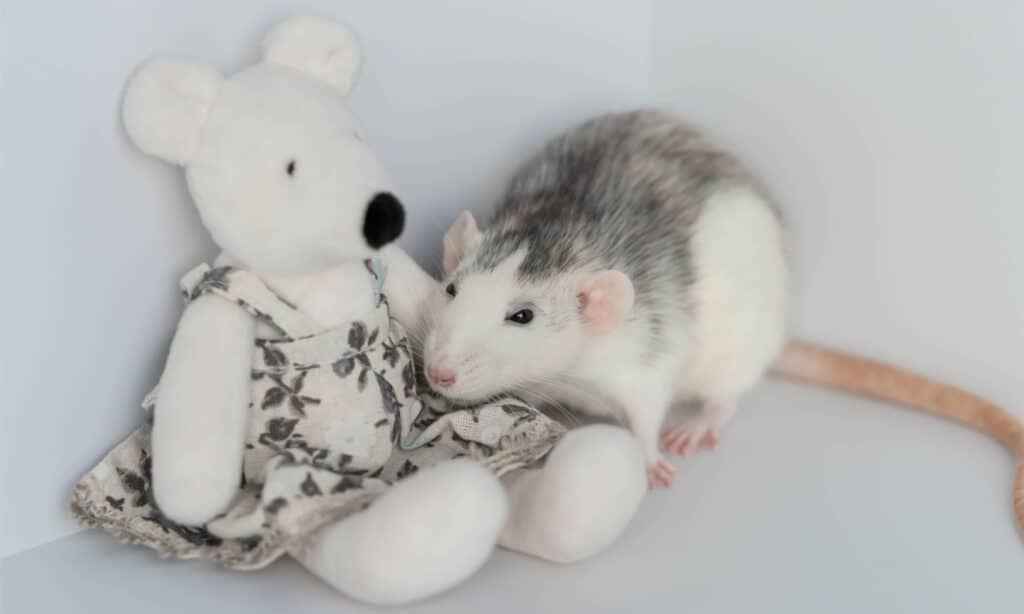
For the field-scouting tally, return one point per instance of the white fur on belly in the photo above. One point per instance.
(740, 296)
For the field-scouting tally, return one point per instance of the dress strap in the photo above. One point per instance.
(378, 272)
(249, 292)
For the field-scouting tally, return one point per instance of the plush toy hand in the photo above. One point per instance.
(409, 290)
(201, 412)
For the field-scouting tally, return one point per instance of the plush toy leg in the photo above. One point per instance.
(581, 500)
(427, 534)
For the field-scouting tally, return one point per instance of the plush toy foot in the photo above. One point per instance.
(581, 500)
(660, 474)
(430, 532)
(692, 435)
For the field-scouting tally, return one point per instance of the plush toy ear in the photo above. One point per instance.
(165, 104)
(319, 47)
(605, 299)
(461, 238)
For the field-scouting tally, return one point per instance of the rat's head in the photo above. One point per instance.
(502, 325)
(273, 157)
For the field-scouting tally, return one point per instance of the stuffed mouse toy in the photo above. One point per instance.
(287, 419)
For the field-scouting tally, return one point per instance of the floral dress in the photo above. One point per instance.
(335, 419)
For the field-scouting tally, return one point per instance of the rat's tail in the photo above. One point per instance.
(825, 367)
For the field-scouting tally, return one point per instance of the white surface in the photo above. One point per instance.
(815, 503)
(453, 95)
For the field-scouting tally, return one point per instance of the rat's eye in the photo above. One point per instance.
(290, 169)
(523, 316)
(450, 289)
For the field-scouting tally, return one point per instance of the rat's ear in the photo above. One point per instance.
(165, 104)
(323, 49)
(605, 299)
(461, 238)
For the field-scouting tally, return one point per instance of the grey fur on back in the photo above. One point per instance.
(621, 191)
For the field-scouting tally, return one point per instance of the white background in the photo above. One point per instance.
(891, 133)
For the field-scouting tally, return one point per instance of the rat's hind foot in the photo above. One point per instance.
(697, 432)
(660, 474)
(686, 438)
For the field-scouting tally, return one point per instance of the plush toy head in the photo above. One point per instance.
(273, 157)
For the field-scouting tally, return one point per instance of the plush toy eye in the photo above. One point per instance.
(290, 168)
(450, 289)
(523, 316)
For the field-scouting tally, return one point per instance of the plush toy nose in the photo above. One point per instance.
(440, 375)
(385, 220)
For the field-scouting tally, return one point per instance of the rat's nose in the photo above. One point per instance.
(385, 219)
(440, 375)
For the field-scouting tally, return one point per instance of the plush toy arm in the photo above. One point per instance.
(410, 290)
(201, 411)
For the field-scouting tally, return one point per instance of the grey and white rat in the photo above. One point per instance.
(633, 263)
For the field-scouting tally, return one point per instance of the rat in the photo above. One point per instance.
(634, 263)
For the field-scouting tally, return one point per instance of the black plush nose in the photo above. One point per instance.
(385, 219)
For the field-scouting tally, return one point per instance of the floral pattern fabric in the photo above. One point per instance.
(335, 419)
